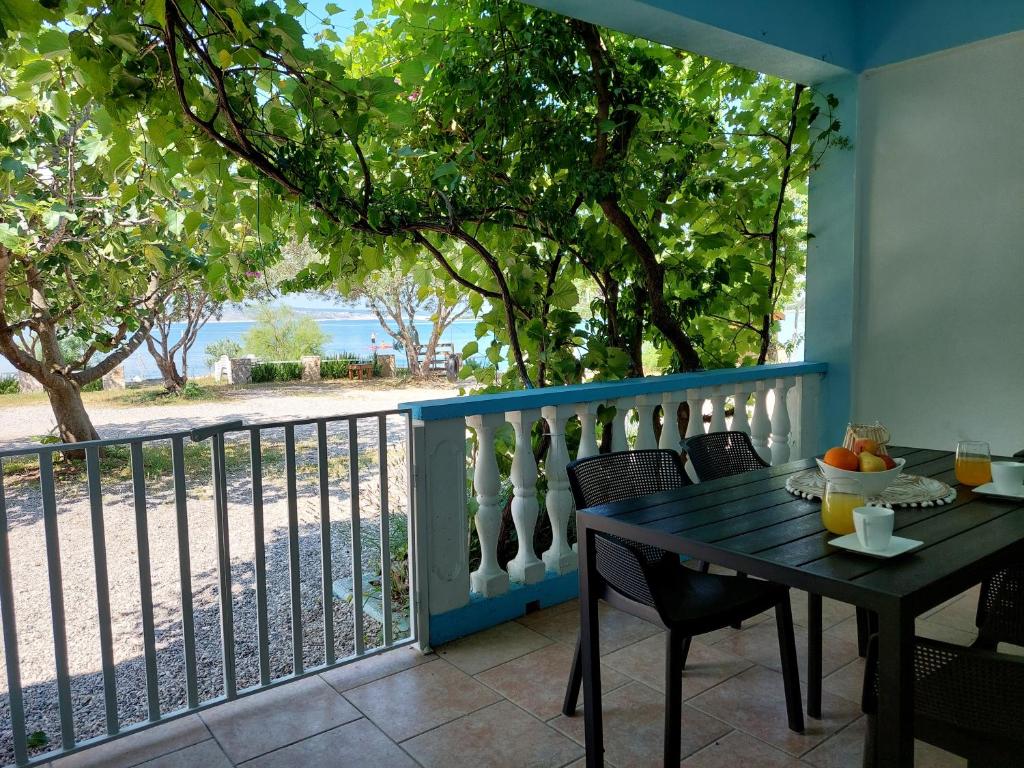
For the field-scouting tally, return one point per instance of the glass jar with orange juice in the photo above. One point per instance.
(841, 497)
(973, 463)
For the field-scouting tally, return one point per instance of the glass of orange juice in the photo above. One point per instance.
(842, 496)
(973, 462)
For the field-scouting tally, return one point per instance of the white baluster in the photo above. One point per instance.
(695, 400)
(780, 422)
(717, 410)
(645, 405)
(760, 425)
(740, 421)
(526, 567)
(559, 557)
(489, 579)
(588, 430)
(623, 407)
(670, 421)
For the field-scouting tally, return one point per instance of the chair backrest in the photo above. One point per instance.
(1000, 616)
(721, 454)
(610, 477)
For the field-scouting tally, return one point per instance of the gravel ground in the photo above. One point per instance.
(32, 598)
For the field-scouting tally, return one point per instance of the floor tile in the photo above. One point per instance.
(418, 699)
(357, 744)
(139, 747)
(256, 724)
(207, 754)
(533, 620)
(846, 750)
(618, 629)
(706, 666)
(737, 748)
(760, 644)
(753, 701)
(960, 614)
(847, 681)
(832, 611)
(374, 667)
(634, 721)
(499, 735)
(537, 681)
(492, 647)
(936, 630)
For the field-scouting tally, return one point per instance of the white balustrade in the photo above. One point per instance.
(489, 579)
(760, 425)
(783, 423)
(670, 437)
(645, 405)
(780, 422)
(526, 568)
(560, 556)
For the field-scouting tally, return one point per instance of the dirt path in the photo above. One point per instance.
(20, 422)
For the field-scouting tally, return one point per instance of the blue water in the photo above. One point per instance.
(344, 336)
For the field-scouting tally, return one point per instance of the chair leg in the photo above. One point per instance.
(870, 742)
(572, 690)
(705, 566)
(814, 638)
(790, 670)
(739, 624)
(673, 697)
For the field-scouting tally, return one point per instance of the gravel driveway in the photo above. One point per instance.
(32, 598)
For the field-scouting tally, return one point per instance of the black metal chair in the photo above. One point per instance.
(723, 454)
(654, 585)
(968, 701)
(1000, 617)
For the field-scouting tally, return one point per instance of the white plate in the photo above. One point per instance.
(989, 489)
(897, 546)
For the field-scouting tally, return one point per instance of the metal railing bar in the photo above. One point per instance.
(227, 616)
(52, 448)
(145, 580)
(188, 629)
(260, 553)
(99, 553)
(314, 420)
(325, 541)
(385, 529)
(15, 698)
(357, 543)
(293, 548)
(145, 725)
(60, 640)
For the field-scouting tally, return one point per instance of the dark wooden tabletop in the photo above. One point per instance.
(750, 522)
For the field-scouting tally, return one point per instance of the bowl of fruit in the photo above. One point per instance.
(866, 463)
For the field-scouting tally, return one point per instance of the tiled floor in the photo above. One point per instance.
(494, 699)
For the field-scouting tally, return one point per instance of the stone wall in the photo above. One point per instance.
(233, 370)
(310, 367)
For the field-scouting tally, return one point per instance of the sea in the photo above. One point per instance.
(357, 336)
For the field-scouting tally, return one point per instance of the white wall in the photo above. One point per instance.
(940, 309)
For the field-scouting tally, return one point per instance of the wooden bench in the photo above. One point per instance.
(360, 371)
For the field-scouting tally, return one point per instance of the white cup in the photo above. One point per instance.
(874, 527)
(1008, 476)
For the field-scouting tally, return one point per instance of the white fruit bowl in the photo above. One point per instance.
(871, 483)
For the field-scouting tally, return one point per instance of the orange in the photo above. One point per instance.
(842, 458)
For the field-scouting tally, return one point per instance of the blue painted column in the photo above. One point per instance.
(832, 293)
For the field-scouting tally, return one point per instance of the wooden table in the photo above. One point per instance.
(360, 371)
(751, 523)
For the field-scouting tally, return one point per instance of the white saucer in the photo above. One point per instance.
(897, 546)
(989, 489)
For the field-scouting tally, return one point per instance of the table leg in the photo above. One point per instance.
(814, 630)
(896, 688)
(594, 736)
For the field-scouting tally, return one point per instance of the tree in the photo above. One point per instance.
(191, 307)
(96, 224)
(524, 151)
(214, 351)
(281, 333)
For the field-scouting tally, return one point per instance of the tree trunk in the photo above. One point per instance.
(73, 423)
(173, 381)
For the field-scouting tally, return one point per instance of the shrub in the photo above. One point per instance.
(93, 386)
(9, 387)
(263, 373)
(217, 349)
(192, 391)
(336, 366)
(282, 333)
